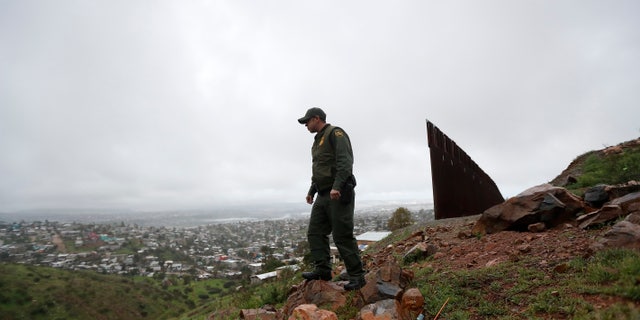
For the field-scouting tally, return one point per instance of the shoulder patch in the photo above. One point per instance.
(338, 133)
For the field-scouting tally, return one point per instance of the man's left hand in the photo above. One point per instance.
(334, 194)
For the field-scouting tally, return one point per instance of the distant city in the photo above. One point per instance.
(239, 242)
(192, 218)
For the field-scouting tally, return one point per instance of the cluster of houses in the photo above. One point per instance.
(235, 249)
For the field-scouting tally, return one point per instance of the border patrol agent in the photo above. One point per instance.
(332, 212)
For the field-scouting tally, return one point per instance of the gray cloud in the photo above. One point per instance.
(167, 105)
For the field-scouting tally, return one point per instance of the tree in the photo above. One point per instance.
(245, 272)
(186, 279)
(266, 250)
(400, 218)
(271, 264)
(302, 248)
(244, 254)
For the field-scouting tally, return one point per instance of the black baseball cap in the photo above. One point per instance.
(313, 112)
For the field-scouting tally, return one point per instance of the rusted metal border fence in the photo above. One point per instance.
(460, 187)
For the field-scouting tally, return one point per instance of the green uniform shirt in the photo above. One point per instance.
(332, 159)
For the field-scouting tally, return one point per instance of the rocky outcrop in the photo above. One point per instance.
(326, 294)
(544, 204)
(571, 174)
(544, 207)
(387, 282)
(624, 234)
(615, 209)
(385, 295)
(408, 307)
(598, 195)
(604, 214)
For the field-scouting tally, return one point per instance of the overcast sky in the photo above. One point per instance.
(156, 105)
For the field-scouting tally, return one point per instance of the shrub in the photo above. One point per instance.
(399, 219)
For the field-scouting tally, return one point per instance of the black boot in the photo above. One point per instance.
(355, 284)
(317, 275)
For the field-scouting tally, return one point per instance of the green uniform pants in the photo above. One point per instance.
(333, 217)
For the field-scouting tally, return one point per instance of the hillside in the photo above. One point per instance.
(32, 292)
(550, 274)
(507, 275)
(611, 165)
(521, 275)
(553, 274)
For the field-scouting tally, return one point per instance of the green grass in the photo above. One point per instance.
(349, 310)
(612, 169)
(31, 292)
(228, 306)
(615, 272)
(521, 290)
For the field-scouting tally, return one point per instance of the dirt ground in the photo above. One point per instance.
(458, 248)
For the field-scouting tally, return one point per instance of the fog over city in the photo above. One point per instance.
(192, 105)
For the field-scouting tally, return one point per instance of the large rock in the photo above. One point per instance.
(542, 204)
(598, 195)
(410, 305)
(382, 310)
(327, 294)
(612, 210)
(629, 203)
(621, 190)
(387, 282)
(311, 312)
(624, 234)
(419, 252)
(634, 218)
(605, 214)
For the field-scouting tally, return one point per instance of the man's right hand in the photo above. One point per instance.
(309, 199)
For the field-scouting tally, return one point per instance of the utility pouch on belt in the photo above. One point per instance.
(346, 192)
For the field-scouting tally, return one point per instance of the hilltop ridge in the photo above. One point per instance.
(556, 256)
(576, 168)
